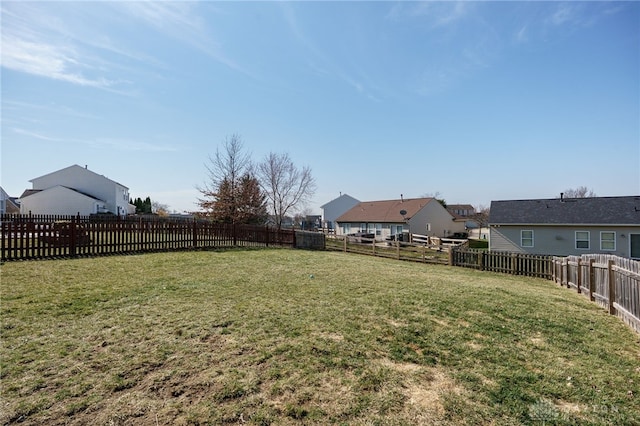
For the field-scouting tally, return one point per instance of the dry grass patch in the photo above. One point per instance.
(246, 337)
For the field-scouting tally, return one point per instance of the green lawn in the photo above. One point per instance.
(281, 336)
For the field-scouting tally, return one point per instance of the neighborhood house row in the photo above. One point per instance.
(559, 226)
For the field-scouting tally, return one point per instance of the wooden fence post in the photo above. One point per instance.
(234, 229)
(194, 233)
(398, 248)
(481, 261)
(373, 246)
(72, 235)
(451, 249)
(592, 278)
(579, 275)
(514, 264)
(612, 287)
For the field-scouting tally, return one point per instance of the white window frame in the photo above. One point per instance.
(522, 238)
(608, 241)
(588, 240)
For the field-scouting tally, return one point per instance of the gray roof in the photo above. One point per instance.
(567, 211)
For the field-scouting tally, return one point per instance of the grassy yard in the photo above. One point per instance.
(282, 336)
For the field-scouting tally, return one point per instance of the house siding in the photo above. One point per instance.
(559, 240)
(334, 208)
(81, 179)
(48, 202)
(440, 220)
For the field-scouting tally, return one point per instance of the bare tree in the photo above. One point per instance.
(286, 187)
(579, 192)
(225, 170)
(159, 208)
(482, 216)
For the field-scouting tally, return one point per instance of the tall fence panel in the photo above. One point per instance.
(612, 282)
(509, 263)
(47, 236)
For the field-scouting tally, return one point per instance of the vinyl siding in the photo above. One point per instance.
(559, 240)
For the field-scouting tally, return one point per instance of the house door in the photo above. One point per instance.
(634, 241)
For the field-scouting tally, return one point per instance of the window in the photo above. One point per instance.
(607, 240)
(428, 227)
(346, 228)
(582, 240)
(363, 227)
(526, 238)
(397, 228)
(378, 229)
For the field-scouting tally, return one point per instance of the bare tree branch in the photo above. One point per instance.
(579, 192)
(286, 187)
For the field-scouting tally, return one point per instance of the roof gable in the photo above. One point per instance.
(343, 197)
(567, 211)
(76, 168)
(387, 211)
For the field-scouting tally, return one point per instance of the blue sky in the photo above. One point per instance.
(473, 101)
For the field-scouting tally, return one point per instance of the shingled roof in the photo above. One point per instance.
(387, 211)
(567, 211)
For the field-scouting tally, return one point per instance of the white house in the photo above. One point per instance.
(389, 218)
(8, 205)
(334, 208)
(75, 190)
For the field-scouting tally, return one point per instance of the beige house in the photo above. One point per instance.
(392, 218)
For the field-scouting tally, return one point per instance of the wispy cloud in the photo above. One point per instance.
(35, 44)
(563, 13)
(323, 64)
(56, 42)
(522, 35)
(53, 61)
(434, 14)
(51, 109)
(181, 21)
(583, 14)
(119, 144)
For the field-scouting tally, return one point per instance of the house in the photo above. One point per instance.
(567, 226)
(392, 218)
(464, 213)
(8, 205)
(75, 190)
(334, 208)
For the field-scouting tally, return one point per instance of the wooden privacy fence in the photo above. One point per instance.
(47, 236)
(530, 265)
(612, 282)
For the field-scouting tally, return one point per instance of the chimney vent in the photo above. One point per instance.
(401, 198)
